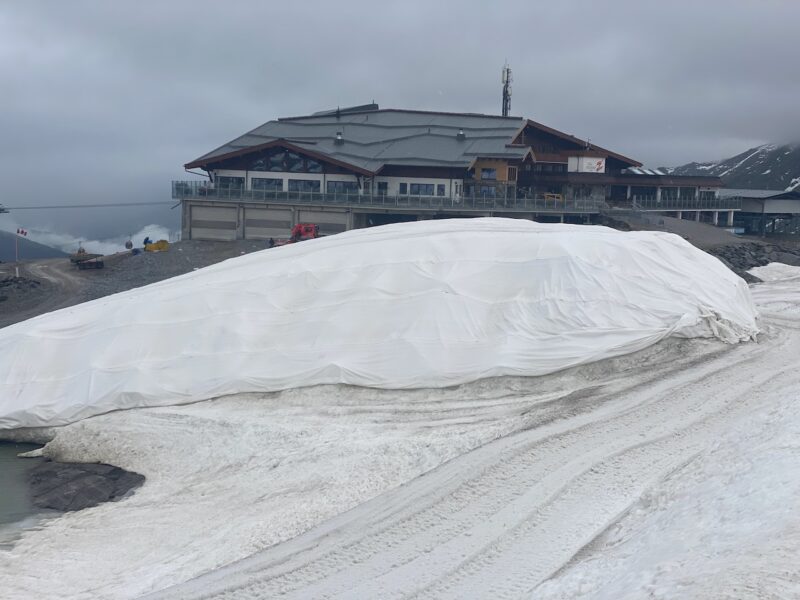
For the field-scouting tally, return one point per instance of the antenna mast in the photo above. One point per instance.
(506, 79)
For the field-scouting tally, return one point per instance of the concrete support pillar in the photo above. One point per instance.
(561, 220)
(679, 214)
(240, 222)
(186, 220)
(730, 218)
(628, 194)
(716, 217)
(350, 221)
(697, 215)
(658, 195)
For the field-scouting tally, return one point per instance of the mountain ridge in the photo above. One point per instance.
(28, 249)
(766, 167)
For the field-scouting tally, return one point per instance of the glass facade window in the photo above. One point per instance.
(403, 187)
(489, 174)
(440, 189)
(512, 173)
(304, 185)
(669, 193)
(227, 183)
(280, 160)
(342, 187)
(422, 189)
(276, 163)
(383, 188)
(583, 192)
(688, 193)
(707, 195)
(488, 191)
(267, 184)
(293, 162)
(640, 192)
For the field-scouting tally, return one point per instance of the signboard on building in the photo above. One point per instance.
(590, 164)
(586, 164)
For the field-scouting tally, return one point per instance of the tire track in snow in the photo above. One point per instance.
(504, 517)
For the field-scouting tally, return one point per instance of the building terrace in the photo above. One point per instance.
(360, 166)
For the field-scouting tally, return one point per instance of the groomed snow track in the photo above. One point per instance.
(500, 520)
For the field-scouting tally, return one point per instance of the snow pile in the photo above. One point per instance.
(412, 305)
(776, 272)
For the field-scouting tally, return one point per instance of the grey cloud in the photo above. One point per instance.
(103, 102)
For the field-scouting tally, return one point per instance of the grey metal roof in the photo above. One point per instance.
(373, 138)
(756, 194)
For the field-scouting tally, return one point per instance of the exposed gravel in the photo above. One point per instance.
(741, 257)
(51, 284)
(66, 486)
(125, 271)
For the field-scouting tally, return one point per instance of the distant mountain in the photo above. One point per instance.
(27, 249)
(768, 167)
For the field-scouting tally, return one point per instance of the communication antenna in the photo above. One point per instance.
(506, 79)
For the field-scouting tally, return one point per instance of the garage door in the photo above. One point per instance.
(214, 223)
(264, 223)
(329, 222)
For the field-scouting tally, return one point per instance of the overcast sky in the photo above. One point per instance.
(104, 102)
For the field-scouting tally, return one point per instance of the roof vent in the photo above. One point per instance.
(339, 139)
(461, 136)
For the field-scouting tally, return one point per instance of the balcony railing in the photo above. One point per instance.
(555, 203)
(701, 203)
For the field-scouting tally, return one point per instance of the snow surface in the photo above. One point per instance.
(776, 272)
(668, 473)
(427, 304)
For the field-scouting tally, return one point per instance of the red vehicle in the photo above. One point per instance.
(304, 231)
(300, 232)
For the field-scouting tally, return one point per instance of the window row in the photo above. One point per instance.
(422, 189)
(269, 184)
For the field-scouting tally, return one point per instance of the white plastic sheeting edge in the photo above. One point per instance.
(426, 304)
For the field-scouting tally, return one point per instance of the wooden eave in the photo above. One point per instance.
(579, 142)
(282, 143)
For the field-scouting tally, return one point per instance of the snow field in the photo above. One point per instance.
(505, 518)
(724, 525)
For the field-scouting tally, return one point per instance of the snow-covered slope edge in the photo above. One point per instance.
(412, 305)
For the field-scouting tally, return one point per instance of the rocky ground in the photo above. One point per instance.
(49, 284)
(66, 486)
(16, 287)
(741, 257)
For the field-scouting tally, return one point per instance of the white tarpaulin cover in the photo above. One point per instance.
(426, 304)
